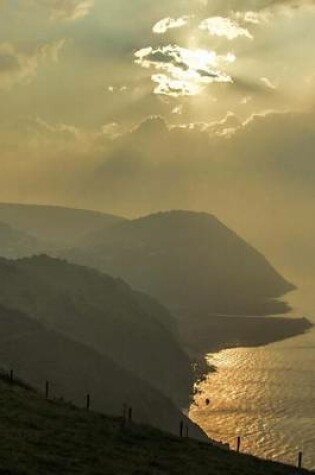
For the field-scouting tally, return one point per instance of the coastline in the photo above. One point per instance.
(216, 333)
(223, 430)
(198, 341)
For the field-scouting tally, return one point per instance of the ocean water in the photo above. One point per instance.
(265, 395)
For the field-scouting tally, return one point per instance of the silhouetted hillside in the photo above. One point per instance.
(190, 262)
(37, 354)
(102, 312)
(53, 224)
(53, 438)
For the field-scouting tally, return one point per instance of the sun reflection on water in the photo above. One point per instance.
(266, 396)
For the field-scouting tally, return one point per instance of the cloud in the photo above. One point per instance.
(168, 23)
(225, 127)
(257, 171)
(268, 155)
(269, 84)
(69, 10)
(20, 67)
(183, 71)
(224, 27)
(252, 17)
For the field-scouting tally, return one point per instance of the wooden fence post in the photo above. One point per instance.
(124, 416)
(238, 444)
(300, 460)
(88, 402)
(11, 376)
(181, 429)
(130, 414)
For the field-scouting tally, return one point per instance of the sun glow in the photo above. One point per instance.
(184, 71)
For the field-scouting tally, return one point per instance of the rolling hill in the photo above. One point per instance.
(15, 243)
(190, 262)
(55, 225)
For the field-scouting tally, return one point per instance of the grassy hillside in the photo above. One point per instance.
(103, 313)
(54, 438)
(190, 262)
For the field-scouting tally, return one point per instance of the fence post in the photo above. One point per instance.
(88, 402)
(130, 414)
(181, 429)
(11, 376)
(300, 460)
(238, 444)
(124, 416)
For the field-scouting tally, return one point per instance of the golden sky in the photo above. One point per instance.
(131, 106)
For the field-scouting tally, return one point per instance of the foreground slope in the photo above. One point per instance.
(104, 313)
(53, 438)
(188, 261)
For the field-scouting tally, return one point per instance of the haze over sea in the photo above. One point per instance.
(266, 395)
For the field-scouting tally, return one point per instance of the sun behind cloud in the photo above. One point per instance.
(184, 71)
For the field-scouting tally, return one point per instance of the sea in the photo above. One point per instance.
(264, 395)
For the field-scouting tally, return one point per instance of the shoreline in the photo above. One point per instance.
(204, 368)
(217, 333)
(197, 351)
(198, 341)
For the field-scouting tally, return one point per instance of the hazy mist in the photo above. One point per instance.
(83, 123)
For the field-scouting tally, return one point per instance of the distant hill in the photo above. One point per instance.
(104, 313)
(55, 224)
(53, 438)
(15, 243)
(190, 262)
(37, 354)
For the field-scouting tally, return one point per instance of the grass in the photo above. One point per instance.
(39, 437)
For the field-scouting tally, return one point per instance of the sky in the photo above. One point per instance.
(131, 107)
